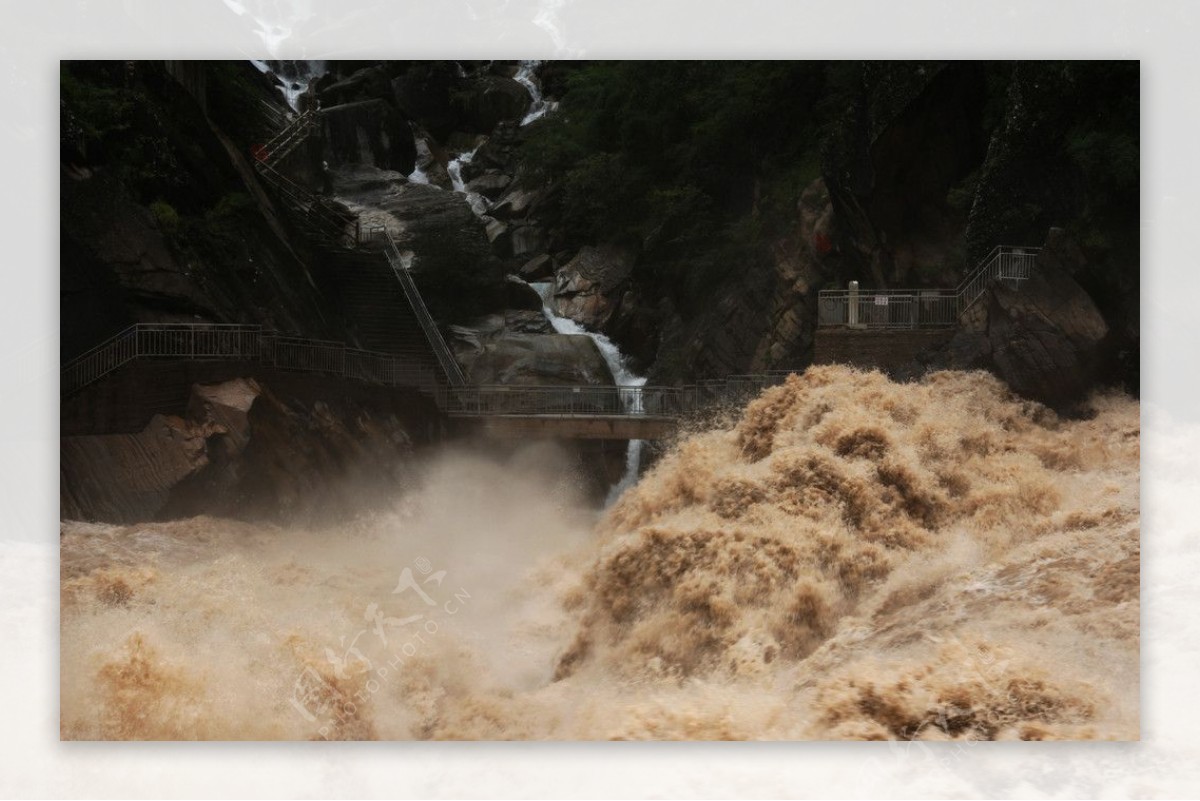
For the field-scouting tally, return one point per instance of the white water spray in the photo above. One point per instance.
(622, 375)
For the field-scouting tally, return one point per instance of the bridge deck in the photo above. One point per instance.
(565, 426)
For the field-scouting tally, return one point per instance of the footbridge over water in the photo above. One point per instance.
(507, 411)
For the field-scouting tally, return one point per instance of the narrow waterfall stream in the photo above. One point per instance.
(527, 77)
(622, 375)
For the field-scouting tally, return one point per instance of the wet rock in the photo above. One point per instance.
(521, 295)
(368, 83)
(489, 185)
(529, 239)
(585, 287)
(240, 450)
(490, 99)
(523, 321)
(538, 268)
(431, 165)
(425, 91)
(453, 263)
(537, 359)
(515, 204)
(1044, 338)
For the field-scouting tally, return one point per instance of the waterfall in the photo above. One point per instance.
(622, 375)
(295, 75)
(478, 203)
(454, 167)
(526, 77)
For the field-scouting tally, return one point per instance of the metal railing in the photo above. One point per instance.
(437, 342)
(212, 341)
(608, 401)
(924, 308)
(292, 134)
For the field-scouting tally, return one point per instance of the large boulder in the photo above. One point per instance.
(539, 359)
(369, 132)
(240, 450)
(490, 99)
(586, 288)
(425, 92)
(521, 295)
(490, 185)
(516, 347)
(1044, 338)
(538, 268)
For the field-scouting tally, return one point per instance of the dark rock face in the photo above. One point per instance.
(239, 451)
(424, 91)
(764, 319)
(370, 132)
(914, 134)
(585, 286)
(538, 268)
(522, 296)
(490, 100)
(1044, 338)
(121, 265)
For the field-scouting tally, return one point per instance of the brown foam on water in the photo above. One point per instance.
(853, 558)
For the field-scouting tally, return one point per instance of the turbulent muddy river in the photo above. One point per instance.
(846, 558)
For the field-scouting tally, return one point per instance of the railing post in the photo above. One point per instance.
(852, 305)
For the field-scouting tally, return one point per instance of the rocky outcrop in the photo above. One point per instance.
(241, 451)
(541, 360)
(514, 347)
(538, 268)
(452, 259)
(208, 244)
(369, 132)
(763, 319)
(585, 288)
(522, 296)
(1044, 338)
(129, 477)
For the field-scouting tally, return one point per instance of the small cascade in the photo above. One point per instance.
(454, 167)
(527, 77)
(622, 375)
(418, 176)
(478, 203)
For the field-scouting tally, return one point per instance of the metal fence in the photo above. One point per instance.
(647, 401)
(923, 308)
(210, 341)
(213, 341)
(437, 342)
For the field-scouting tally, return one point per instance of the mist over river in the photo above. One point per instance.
(848, 558)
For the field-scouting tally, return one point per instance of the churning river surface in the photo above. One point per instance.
(846, 558)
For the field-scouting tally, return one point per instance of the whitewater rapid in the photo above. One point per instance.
(850, 559)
